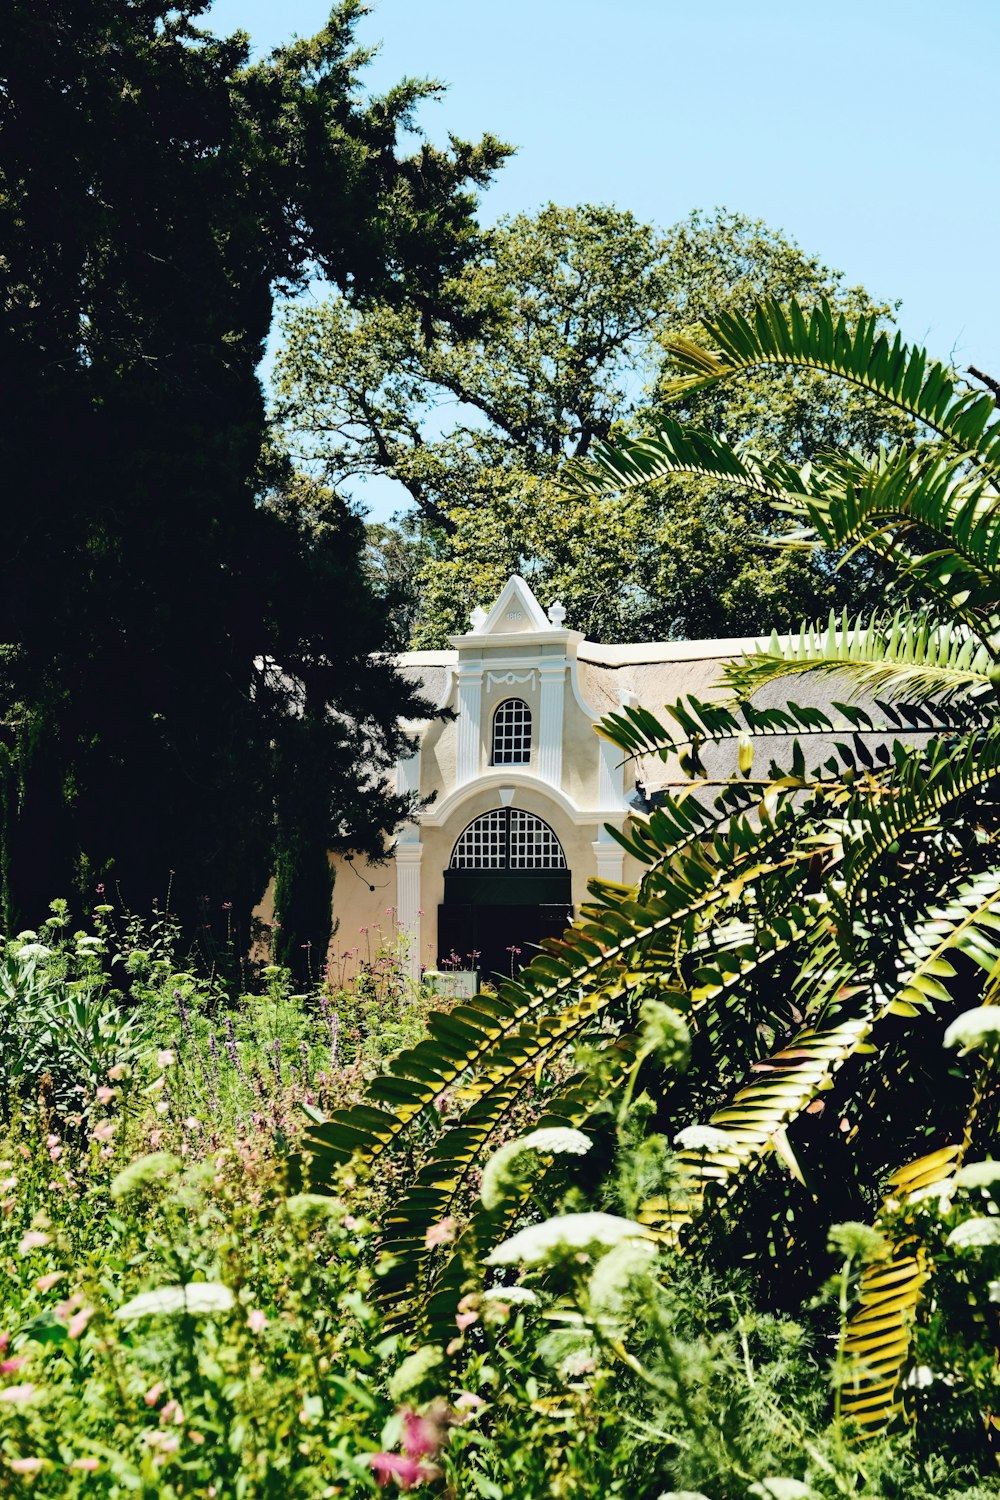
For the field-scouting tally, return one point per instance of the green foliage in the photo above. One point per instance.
(575, 307)
(816, 921)
(192, 643)
(175, 1323)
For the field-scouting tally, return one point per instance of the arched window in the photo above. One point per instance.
(512, 733)
(508, 839)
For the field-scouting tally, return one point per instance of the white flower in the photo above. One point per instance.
(509, 1294)
(567, 1232)
(34, 950)
(973, 1233)
(780, 1489)
(195, 1297)
(942, 1191)
(683, 1495)
(702, 1138)
(506, 1168)
(975, 1029)
(978, 1174)
(919, 1378)
(18, 1395)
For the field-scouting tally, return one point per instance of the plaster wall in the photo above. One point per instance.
(363, 919)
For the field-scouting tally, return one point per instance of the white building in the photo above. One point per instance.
(521, 788)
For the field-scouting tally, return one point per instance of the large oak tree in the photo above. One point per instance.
(475, 428)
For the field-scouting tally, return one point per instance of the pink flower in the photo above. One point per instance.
(406, 1471)
(104, 1096)
(172, 1412)
(104, 1131)
(440, 1234)
(89, 1464)
(117, 1072)
(8, 1185)
(421, 1436)
(465, 1320)
(54, 1153)
(33, 1240)
(17, 1395)
(79, 1321)
(468, 1401)
(8, 1366)
(153, 1394)
(257, 1320)
(25, 1465)
(46, 1283)
(4, 1341)
(51, 1140)
(166, 1058)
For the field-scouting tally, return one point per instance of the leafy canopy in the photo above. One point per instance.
(569, 310)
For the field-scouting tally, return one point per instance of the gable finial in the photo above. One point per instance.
(557, 614)
(477, 619)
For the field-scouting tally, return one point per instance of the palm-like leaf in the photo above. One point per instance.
(821, 339)
(810, 921)
(900, 656)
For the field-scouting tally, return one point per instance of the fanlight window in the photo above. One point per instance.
(512, 733)
(508, 839)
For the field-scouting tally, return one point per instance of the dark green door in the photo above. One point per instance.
(497, 939)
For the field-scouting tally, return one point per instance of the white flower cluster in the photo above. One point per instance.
(516, 1160)
(974, 1030)
(565, 1235)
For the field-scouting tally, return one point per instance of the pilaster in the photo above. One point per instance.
(552, 695)
(408, 857)
(468, 753)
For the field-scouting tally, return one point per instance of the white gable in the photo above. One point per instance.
(516, 612)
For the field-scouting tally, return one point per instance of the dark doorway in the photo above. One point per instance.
(496, 940)
(507, 887)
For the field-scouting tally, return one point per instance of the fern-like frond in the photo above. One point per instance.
(621, 933)
(674, 450)
(751, 1124)
(876, 1344)
(929, 784)
(899, 656)
(921, 511)
(820, 339)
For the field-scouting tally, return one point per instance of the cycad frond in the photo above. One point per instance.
(876, 1343)
(674, 450)
(921, 511)
(899, 656)
(821, 339)
(622, 932)
(929, 784)
(751, 1124)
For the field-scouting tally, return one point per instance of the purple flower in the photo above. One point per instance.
(232, 1051)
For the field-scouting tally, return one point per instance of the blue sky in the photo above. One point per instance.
(865, 129)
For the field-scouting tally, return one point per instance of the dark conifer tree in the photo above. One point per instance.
(186, 674)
